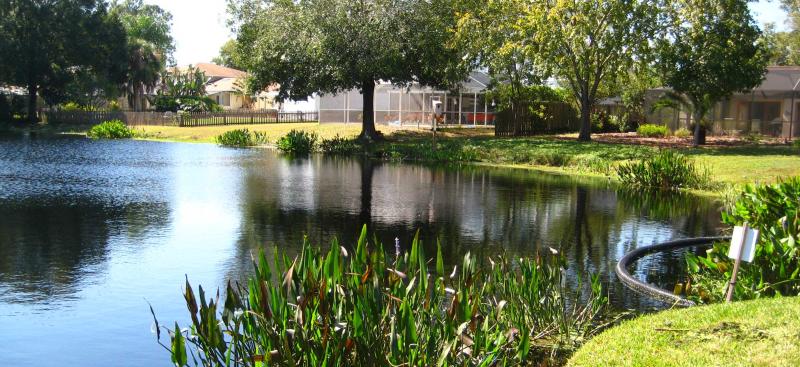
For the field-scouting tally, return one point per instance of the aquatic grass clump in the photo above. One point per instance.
(666, 170)
(652, 131)
(241, 138)
(298, 142)
(367, 308)
(113, 129)
(340, 145)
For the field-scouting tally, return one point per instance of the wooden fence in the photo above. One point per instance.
(172, 119)
(242, 118)
(96, 117)
(537, 118)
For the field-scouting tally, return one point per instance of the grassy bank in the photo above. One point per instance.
(728, 165)
(754, 333)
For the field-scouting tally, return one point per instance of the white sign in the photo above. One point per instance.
(437, 108)
(749, 243)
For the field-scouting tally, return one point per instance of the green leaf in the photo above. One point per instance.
(439, 259)
(178, 348)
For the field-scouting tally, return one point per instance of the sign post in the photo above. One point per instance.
(743, 248)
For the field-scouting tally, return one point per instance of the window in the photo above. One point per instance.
(765, 111)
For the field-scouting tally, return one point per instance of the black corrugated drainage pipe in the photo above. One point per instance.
(649, 290)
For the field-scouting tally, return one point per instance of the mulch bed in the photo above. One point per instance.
(673, 142)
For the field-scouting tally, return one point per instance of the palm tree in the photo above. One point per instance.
(696, 109)
(144, 70)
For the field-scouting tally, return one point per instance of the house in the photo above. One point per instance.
(413, 106)
(226, 86)
(772, 108)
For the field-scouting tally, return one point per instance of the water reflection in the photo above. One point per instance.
(91, 232)
(48, 247)
(477, 209)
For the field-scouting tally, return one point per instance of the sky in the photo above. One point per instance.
(199, 25)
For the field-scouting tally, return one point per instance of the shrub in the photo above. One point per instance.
(367, 308)
(241, 138)
(652, 131)
(665, 170)
(683, 133)
(796, 143)
(298, 142)
(114, 129)
(340, 145)
(775, 211)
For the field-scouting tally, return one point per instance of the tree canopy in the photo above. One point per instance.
(591, 42)
(150, 46)
(46, 45)
(330, 46)
(714, 49)
(229, 56)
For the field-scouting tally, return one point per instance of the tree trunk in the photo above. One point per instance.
(699, 131)
(33, 90)
(586, 120)
(368, 132)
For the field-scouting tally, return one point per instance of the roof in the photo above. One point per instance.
(780, 78)
(216, 71)
(224, 85)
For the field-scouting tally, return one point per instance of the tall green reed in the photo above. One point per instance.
(372, 309)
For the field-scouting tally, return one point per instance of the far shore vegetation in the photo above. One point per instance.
(729, 164)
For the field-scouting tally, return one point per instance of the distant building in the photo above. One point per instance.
(414, 105)
(772, 108)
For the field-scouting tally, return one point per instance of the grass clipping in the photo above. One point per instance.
(369, 309)
(754, 333)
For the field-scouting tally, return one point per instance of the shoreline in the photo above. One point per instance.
(731, 167)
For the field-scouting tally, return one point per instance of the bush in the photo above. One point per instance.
(241, 138)
(368, 308)
(340, 145)
(298, 142)
(775, 211)
(665, 170)
(683, 133)
(652, 131)
(796, 143)
(114, 129)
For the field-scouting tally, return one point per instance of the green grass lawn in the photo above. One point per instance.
(206, 134)
(753, 333)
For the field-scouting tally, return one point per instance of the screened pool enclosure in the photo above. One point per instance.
(413, 106)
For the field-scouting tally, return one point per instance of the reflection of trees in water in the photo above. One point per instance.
(47, 247)
(477, 209)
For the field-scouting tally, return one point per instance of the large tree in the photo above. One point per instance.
(495, 35)
(330, 46)
(46, 44)
(229, 55)
(714, 49)
(589, 42)
(150, 46)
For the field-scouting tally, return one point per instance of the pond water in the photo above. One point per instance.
(93, 231)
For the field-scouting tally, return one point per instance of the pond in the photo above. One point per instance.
(91, 232)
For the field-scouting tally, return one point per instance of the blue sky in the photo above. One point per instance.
(199, 25)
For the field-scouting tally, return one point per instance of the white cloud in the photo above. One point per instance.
(198, 27)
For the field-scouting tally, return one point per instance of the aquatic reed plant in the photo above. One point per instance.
(363, 307)
(298, 142)
(241, 138)
(666, 170)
